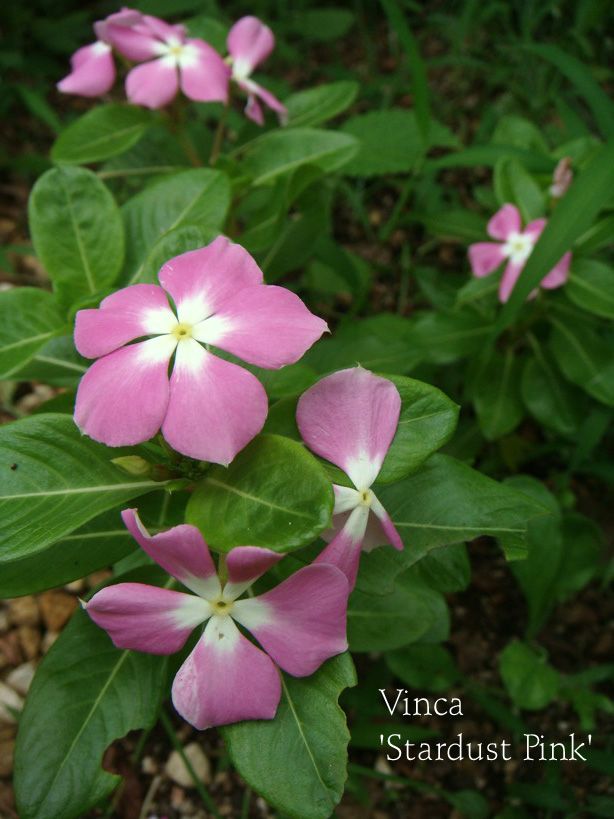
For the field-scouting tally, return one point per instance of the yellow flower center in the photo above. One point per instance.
(366, 497)
(221, 606)
(182, 331)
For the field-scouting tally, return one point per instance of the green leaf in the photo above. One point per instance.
(427, 421)
(548, 397)
(585, 358)
(489, 155)
(496, 395)
(281, 152)
(198, 197)
(86, 694)
(57, 363)
(514, 184)
(77, 232)
(29, 317)
(384, 622)
(596, 98)
(58, 481)
(171, 244)
(390, 142)
(589, 191)
(102, 132)
(530, 681)
(316, 105)
(446, 337)
(297, 761)
(274, 494)
(321, 24)
(447, 501)
(423, 666)
(591, 287)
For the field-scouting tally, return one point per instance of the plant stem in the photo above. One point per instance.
(218, 139)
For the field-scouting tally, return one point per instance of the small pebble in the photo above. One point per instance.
(10, 701)
(177, 771)
(23, 611)
(21, 677)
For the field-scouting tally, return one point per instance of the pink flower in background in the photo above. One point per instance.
(249, 43)
(350, 418)
(93, 68)
(210, 408)
(173, 61)
(226, 678)
(515, 246)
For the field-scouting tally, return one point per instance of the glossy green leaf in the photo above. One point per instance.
(489, 155)
(198, 197)
(171, 244)
(427, 421)
(274, 494)
(86, 694)
(530, 681)
(54, 481)
(316, 105)
(297, 761)
(591, 286)
(585, 358)
(57, 363)
(77, 232)
(281, 152)
(446, 337)
(549, 397)
(390, 142)
(513, 184)
(102, 132)
(496, 395)
(29, 317)
(588, 193)
(384, 622)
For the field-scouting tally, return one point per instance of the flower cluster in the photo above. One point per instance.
(209, 409)
(514, 247)
(167, 60)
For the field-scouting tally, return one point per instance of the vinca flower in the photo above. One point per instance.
(515, 246)
(249, 43)
(226, 678)
(210, 408)
(350, 418)
(173, 61)
(93, 68)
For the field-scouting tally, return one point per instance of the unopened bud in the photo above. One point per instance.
(562, 178)
(134, 465)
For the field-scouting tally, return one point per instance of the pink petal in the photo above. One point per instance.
(93, 71)
(484, 257)
(559, 273)
(272, 102)
(122, 398)
(153, 84)
(225, 679)
(215, 407)
(249, 43)
(534, 229)
(505, 221)
(139, 310)
(253, 110)
(350, 418)
(344, 549)
(388, 527)
(206, 78)
(264, 325)
(166, 32)
(200, 280)
(245, 564)
(181, 551)
(508, 281)
(146, 618)
(301, 622)
(136, 42)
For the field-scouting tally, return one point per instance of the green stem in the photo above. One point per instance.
(218, 139)
(202, 792)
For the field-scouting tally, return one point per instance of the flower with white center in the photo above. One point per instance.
(515, 245)
(173, 61)
(93, 71)
(350, 418)
(210, 408)
(226, 678)
(249, 43)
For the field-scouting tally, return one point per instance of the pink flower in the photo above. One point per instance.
(350, 418)
(516, 245)
(249, 43)
(226, 678)
(210, 408)
(93, 69)
(174, 61)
